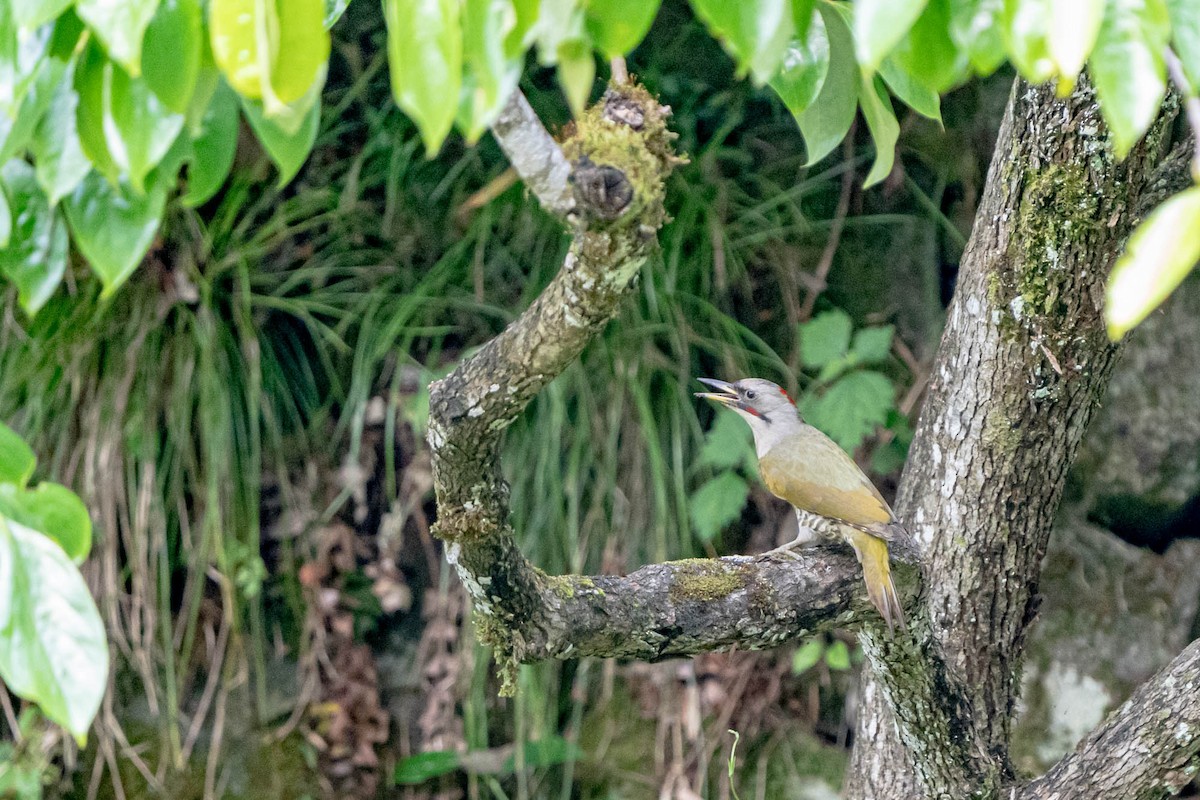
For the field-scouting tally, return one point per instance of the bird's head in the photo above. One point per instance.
(768, 409)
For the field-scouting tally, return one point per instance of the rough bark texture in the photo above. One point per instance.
(1022, 363)
(1148, 748)
(534, 155)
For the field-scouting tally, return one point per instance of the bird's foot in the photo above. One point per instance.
(804, 539)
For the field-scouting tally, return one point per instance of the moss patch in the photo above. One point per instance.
(702, 579)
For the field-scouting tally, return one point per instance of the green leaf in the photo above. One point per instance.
(52, 510)
(214, 148)
(16, 458)
(53, 649)
(1127, 67)
(879, 25)
(425, 58)
(299, 59)
(885, 130)
(524, 31)
(235, 29)
(975, 27)
(910, 90)
(1025, 26)
(805, 65)
(803, 16)
(334, 10)
(716, 504)
(576, 73)
(825, 122)
(120, 24)
(617, 26)
(807, 655)
(423, 766)
(289, 150)
(837, 656)
(30, 14)
(16, 132)
(549, 751)
(489, 74)
(929, 54)
(113, 227)
(563, 40)
(171, 53)
(139, 128)
(1074, 25)
(36, 257)
(825, 338)
(755, 32)
(852, 408)
(873, 345)
(21, 56)
(90, 80)
(1185, 35)
(1160, 254)
(58, 155)
(727, 444)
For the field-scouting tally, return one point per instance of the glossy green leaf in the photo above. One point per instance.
(915, 94)
(425, 57)
(804, 13)
(17, 132)
(1161, 252)
(827, 119)
(113, 226)
(879, 25)
(36, 257)
(617, 26)
(288, 149)
(1074, 25)
(524, 30)
(334, 10)
(716, 504)
(90, 78)
(1185, 37)
(58, 155)
(139, 128)
(120, 24)
(234, 33)
(171, 53)
(807, 655)
(299, 59)
(885, 130)
(929, 53)
(804, 68)
(16, 458)
(489, 75)
(419, 768)
(30, 14)
(576, 74)
(52, 510)
(214, 148)
(755, 32)
(21, 56)
(852, 407)
(53, 650)
(975, 27)
(1025, 25)
(825, 338)
(1127, 67)
(873, 345)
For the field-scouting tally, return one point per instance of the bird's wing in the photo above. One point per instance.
(812, 473)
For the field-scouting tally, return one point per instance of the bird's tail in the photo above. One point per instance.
(872, 553)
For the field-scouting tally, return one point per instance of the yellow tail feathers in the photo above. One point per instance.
(872, 553)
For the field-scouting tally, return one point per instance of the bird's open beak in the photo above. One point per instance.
(726, 395)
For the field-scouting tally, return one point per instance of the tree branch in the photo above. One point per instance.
(1149, 747)
(535, 155)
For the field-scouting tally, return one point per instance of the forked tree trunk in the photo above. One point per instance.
(1022, 365)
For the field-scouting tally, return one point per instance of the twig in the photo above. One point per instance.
(620, 73)
(534, 154)
(490, 191)
(1191, 105)
(835, 233)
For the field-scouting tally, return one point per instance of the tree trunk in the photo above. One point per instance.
(1021, 366)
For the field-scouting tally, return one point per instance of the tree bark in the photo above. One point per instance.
(1022, 363)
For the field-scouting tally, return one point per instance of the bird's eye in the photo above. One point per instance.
(751, 394)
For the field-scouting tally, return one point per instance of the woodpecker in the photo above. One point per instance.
(831, 495)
